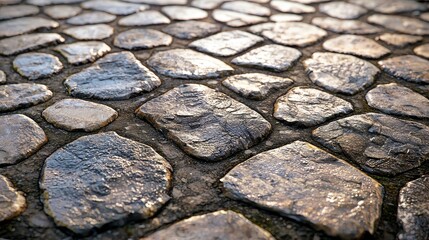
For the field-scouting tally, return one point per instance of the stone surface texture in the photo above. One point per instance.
(91, 18)
(135, 39)
(422, 50)
(345, 26)
(408, 67)
(191, 29)
(184, 13)
(149, 17)
(23, 25)
(2, 77)
(12, 202)
(342, 10)
(236, 19)
(22, 95)
(27, 42)
(356, 45)
(114, 7)
(401, 24)
(37, 65)
(399, 40)
(83, 52)
(62, 11)
(90, 32)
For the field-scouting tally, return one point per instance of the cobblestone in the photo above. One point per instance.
(90, 32)
(23, 25)
(91, 18)
(13, 202)
(408, 67)
(37, 65)
(83, 52)
(399, 40)
(27, 42)
(135, 39)
(144, 18)
(22, 95)
(356, 45)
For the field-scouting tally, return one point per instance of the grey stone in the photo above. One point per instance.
(286, 17)
(27, 42)
(23, 25)
(14, 11)
(401, 24)
(112, 180)
(78, 115)
(91, 18)
(408, 67)
(310, 1)
(22, 95)
(345, 26)
(20, 137)
(62, 11)
(205, 123)
(191, 29)
(342, 10)
(256, 86)
(114, 7)
(12, 202)
(135, 39)
(273, 57)
(11, 2)
(207, 4)
(184, 13)
(37, 65)
(425, 16)
(399, 40)
(307, 184)
(83, 52)
(2, 77)
(236, 19)
(422, 50)
(395, 99)
(52, 2)
(369, 4)
(340, 73)
(188, 64)
(247, 7)
(116, 76)
(309, 106)
(291, 7)
(212, 226)
(90, 32)
(356, 45)
(149, 17)
(160, 2)
(399, 6)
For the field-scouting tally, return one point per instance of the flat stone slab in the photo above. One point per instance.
(12, 201)
(211, 226)
(23, 25)
(236, 19)
(136, 39)
(91, 18)
(206, 124)
(272, 57)
(184, 13)
(247, 7)
(15, 11)
(191, 29)
(78, 115)
(399, 40)
(188, 64)
(340, 73)
(255, 86)
(291, 7)
(408, 67)
(309, 107)
(396, 99)
(83, 52)
(413, 211)
(401, 24)
(422, 50)
(345, 26)
(37, 65)
(226, 43)
(149, 17)
(27, 42)
(20, 137)
(307, 184)
(90, 32)
(379, 143)
(356, 45)
(116, 76)
(22, 95)
(62, 11)
(114, 7)
(286, 17)
(2, 77)
(112, 180)
(342, 10)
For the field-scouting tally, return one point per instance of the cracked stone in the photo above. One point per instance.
(256, 86)
(91, 18)
(23, 25)
(325, 191)
(52, 2)
(291, 7)
(62, 11)
(401, 24)
(236, 19)
(340, 73)
(396, 99)
(399, 40)
(211, 226)
(37, 65)
(20, 137)
(342, 10)
(83, 52)
(2, 77)
(286, 17)
(90, 32)
(247, 7)
(112, 180)
(191, 29)
(27, 42)
(184, 13)
(149, 17)
(206, 124)
(273, 57)
(15, 11)
(114, 7)
(116, 76)
(77, 115)
(188, 64)
(422, 50)
(22, 95)
(356, 45)
(136, 39)
(345, 26)
(309, 106)
(12, 202)
(408, 67)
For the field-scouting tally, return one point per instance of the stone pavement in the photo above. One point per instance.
(214, 119)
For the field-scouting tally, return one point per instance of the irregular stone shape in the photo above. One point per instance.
(116, 76)
(340, 73)
(112, 179)
(307, 184)
(247, 7)
(135, 39)
(422, 50)
(309, 107)
(290, 33)
(83, 52)
(256, 86)
(236, 19)
(160, 2)
(226, 43)
(205, 123)
(52, 2)
(27, 42)
(356, 45)
(114, 7)
(286, 17)
(23, 25)
(20, 137)
(37, 65)
(399, 40)
(342, 10)
(188, 64)
(401, 24)
(184, 13)
(399, 6)
(291, 7)
(2, 77)
(77, 115)
(408, 67)
(425, 16)
(12, 202)
(91, 18)
(216, 225)
(149, 17)
(413, 211)
(22, 95)
(191, 29)
(8, 12)
(62, 11)
(395, 99)
(90, 32)
(345, 26)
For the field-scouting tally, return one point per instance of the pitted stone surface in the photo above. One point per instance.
(291, 7)
(2, 77)
(401, 24)
(83, 52)
(27, 42)
(149, 17)
(236, 19)
(77, 115)
(309, 106)
(62, 11)
(273, 57)
(90, 32)
(345, 26)
(422, 50)
(22, 95)
(37, 65)
(307, 184)
(395, 99)
(342, 10)
(226, 43)
(205, 123)
(356, 45)
(20, 137)
(191, 29)
(91, 18)
(212, 226)
(408, 67)
(286, 17)
(8, 12)
(114, 7)
(247, 7)
(116, 76)
(184, 13)
(12, 202)
(188, 64)
(256, 86)
(135, 39)
(399, 40)
(111, 178)
(340, 73)
(23, 25)
(52, 2)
